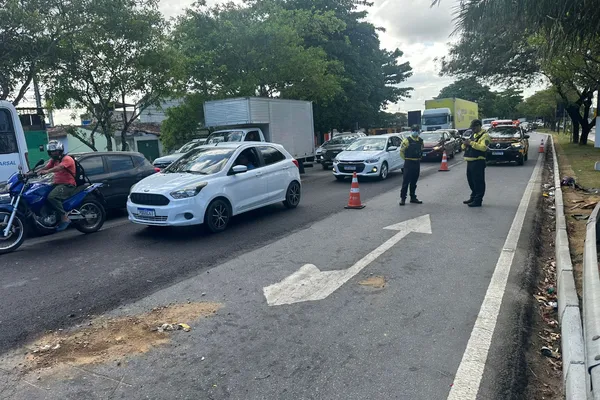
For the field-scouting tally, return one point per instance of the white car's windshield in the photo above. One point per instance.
(204, 161)
(341, 140)
(368, 144)
(188, 146)
(225, 136)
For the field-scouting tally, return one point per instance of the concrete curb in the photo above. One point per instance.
(574, 371)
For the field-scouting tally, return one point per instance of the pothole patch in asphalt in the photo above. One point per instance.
(111, 339)
(376, 282)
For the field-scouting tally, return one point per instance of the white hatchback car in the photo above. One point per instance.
(212, 183)
(373, 156)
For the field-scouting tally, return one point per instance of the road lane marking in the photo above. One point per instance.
(310, 284)
(471, 368)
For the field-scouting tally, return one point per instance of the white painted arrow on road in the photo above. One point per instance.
(310, 284)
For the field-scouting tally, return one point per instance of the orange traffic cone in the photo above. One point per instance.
(542, 150)
(444, 166)
(354, 200)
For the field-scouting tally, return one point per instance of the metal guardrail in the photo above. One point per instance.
(591, 304)
(575, 378)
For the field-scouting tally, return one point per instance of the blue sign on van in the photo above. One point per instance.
(7, 163)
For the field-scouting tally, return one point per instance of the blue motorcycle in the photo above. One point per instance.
(28, 204)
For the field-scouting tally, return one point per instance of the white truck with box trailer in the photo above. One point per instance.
(285, 122)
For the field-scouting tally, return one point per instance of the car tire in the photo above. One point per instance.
(217, 216)
(340, 178)
(384, 172)
(526, 156)
(520, 161)
(452, 154)
(325, 167)
(293, 195)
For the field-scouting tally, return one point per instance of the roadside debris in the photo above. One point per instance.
(580, 217)
(111, 339)
(377, 282)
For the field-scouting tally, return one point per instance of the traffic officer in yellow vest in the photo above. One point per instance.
(475, 151)
(411, 150)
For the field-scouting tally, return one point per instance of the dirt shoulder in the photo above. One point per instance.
(577, 161)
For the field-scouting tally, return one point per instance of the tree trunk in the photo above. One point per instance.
(573, 112)
(125, 125)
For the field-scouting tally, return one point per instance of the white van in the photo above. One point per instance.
(13, 147)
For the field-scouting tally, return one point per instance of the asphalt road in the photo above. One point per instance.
(60, 279)
(403, 341)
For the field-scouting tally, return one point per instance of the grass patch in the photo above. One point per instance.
(580, 159)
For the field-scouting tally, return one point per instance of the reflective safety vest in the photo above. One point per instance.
(413, 148)
(478, 148)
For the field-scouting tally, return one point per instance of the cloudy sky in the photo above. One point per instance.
(420, 31)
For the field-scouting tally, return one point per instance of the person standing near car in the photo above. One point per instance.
(63, 167)
(475, 149)
(411, 150)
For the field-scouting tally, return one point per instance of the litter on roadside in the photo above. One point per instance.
(174, 327)
(580, 217)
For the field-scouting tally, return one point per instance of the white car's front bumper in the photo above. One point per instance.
(361, 169)
(181, 212)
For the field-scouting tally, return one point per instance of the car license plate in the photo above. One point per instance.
(147, 212)
(350, 168)
(497, 153)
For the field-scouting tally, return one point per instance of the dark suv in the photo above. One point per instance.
(334, 147)
(117, 170)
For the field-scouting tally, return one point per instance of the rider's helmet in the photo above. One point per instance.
(55, 149)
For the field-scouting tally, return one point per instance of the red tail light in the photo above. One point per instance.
(296, 163)
(156, 169)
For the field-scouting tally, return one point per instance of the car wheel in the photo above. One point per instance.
(325, 167)
(526, 156)
(452, 154)
(520, 161)
(383, 173)
(217, 216)
(340, 178)
(293, 195)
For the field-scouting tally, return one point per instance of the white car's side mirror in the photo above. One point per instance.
(239, 169)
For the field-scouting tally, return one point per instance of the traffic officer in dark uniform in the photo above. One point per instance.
(411, 150)
(475, 153)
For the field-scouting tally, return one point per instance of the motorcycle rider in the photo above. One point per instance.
(63, 167)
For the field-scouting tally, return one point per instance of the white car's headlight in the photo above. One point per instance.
(373, 160)
(189, 191)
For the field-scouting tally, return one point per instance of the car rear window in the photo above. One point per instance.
(119, 163)
(271, 155)
(140, 161)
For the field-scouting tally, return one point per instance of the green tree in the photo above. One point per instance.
(523, 51)
(258, 51)
(396, 120)
(542, 104)
(119, 56)
(183, 122)
(30, 34)
(373, 76)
